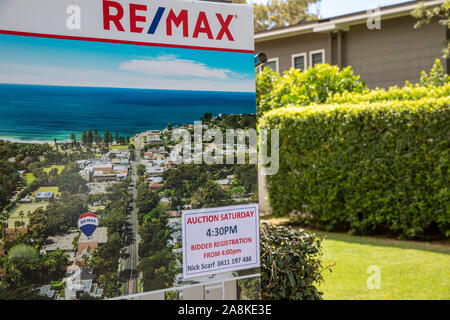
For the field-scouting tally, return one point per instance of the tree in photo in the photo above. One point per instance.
(211, 195)
(73, 138)
(71, 182)
(84, 137)
(158, 270)
(140, 170)
(90, 137)
(22, 265)
(106, 137)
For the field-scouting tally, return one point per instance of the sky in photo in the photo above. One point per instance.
(30, 60)
(332, 8)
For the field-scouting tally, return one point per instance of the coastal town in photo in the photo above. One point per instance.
(135, 188)
(94, 140)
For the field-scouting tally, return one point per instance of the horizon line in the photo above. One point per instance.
(117, 87)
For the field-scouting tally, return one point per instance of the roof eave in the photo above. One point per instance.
(339, 23)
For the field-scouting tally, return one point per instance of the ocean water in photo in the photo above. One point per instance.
(33, 112)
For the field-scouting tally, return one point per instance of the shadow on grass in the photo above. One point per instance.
(438, 247)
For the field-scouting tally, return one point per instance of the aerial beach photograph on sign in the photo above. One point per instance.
(96, 195)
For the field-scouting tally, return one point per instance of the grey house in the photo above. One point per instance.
(383, 57)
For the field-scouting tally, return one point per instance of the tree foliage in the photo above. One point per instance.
(56, 218)
(105, 259)
(425, 15)
(246, 176)
(158, 265)
(210, 195)
(291, 266)
(302, 88)
(158, 270)
(10, 179)
(71, 182)
(437, 76)
(146, 200)
(154, 234)
(281, 13)
(140, 170)
(25, 267)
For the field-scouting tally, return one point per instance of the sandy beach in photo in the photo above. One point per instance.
(14, 140)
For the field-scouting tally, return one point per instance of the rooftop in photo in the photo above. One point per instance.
(44, 195)
(63, 242)
(100, 235)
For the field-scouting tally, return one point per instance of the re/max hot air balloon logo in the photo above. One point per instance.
(87, 223)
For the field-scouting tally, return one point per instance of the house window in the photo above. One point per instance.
(317, 57)
(299, 61)
(272, 64)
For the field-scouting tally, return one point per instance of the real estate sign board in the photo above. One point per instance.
(220, 239)
(121, 110)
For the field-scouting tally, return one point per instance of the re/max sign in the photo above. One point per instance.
(87, 220)
(142, 20)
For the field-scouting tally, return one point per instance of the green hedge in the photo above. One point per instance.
(370, 168)
(314, 85)
(394, 93)
(291, 265)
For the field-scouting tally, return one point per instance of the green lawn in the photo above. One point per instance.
(59, 167)
(26, 208)
(408, 270)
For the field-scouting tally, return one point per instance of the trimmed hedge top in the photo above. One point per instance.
(346, 109)
(313, 85)
(394, 93)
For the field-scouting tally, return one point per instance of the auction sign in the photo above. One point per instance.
(94, 93)
(220, 239)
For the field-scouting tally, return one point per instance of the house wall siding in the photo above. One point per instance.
(395, 53)
(390, 56)
(286, 47)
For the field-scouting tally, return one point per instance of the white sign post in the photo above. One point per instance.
(219, 240)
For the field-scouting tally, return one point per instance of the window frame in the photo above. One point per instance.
(305, 62)
(271, 60)
(311, 53)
